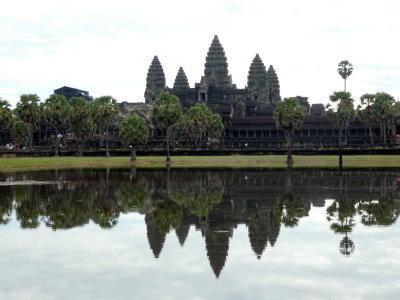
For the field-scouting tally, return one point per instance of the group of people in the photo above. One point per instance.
(10, 146)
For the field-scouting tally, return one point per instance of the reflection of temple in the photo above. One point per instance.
(155, 237)
(237, 197)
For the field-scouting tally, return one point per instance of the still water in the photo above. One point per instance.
(199, 234)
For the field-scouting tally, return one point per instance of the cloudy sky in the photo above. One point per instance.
(106, 47)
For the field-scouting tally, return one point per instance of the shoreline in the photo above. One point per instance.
(231, 161)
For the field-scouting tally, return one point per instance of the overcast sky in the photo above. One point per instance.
(106, 47)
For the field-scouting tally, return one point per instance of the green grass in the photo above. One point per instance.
(231, 161)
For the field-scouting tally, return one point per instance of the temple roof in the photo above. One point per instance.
(257, 77)
(182, 232)
(273, 83)
(155, 237)
(216, 66)
(155, 81)
(181, 81)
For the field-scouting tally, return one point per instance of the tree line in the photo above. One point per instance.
(379, 109)
(78, 119)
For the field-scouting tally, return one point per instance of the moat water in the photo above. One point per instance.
(200, 234)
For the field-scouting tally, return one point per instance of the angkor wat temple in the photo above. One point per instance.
(247, 112)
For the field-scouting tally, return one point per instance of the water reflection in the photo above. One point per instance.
(214, 202)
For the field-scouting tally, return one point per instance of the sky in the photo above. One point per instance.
(106, 47)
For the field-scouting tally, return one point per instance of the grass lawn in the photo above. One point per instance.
(231, 161)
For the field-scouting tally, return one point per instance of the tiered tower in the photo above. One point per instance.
(274, 93)
(216, 67)
(181, 81)
(257, 81)
(155, 237)
(155, 81)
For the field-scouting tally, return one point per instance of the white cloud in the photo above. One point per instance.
(106, 47)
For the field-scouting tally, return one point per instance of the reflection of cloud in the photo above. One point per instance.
(117, 263)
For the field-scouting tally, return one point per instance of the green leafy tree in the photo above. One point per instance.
(133, 131)
(81, 122)
(289, 115)
(198, 123)
(386, 110)
(367, 113)
(29, 111)
(57, 111)
(341, 116)
(5, 114)
(20, 132)
(106, 110)
(167, 109)
(345, 69)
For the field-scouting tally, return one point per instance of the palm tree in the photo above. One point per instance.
(386, 109)
(345, 69)
(167, 109)
(29, 111)
(367, 114)
(133, 131)
(81, 122)
(341, 116)
(289, 115)
(5, 114)
(57, 112)
(106, 110)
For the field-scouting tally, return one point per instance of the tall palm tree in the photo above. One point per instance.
(106, 110)
(289, 115)
(167, 110)
(345, 69)
(341, 116)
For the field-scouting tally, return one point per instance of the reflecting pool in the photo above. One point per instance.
(200, 234)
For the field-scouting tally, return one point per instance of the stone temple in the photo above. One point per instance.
(216, 88)
(246, 112)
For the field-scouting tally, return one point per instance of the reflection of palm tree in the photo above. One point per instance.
(341, 213)
(5, 205)
(29, 208)
(290, 207)
(383, 211)
(346, 246)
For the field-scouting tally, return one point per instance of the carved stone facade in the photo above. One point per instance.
(155, 82)
(247, 112)
(216, 88)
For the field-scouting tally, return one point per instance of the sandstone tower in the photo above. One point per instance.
(274, 92)
(155, 81)
(216, 88)
(257, 81)
(181, 81)
(216, 67)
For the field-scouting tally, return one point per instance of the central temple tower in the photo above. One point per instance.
(216, 67)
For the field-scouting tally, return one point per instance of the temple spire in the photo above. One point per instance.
(155, 81)
(257, 78)
(181, 81)
(257, 81)
(274, 94)
(155, 237)
(216, 66)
